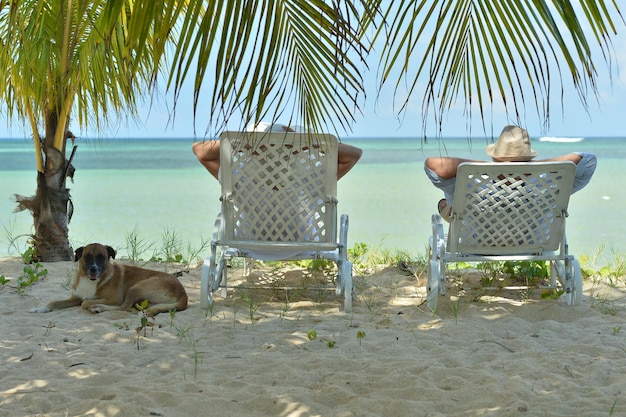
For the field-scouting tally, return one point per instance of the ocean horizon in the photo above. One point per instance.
(154, 187)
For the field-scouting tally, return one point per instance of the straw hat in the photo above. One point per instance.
(513, 145)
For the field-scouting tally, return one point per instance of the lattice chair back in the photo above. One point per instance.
(510, 208)
(279, 188)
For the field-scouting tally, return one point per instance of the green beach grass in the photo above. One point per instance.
(174, 253)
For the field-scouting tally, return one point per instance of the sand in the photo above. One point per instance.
(507, 353)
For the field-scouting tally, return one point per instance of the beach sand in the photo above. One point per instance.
(506, 354)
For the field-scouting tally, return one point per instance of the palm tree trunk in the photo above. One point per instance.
(51, 208)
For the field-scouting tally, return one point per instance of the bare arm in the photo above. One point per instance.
(208, 154)
(445, 166)
(575, 158)
(347, 157)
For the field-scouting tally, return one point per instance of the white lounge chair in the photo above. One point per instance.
(279, 202)
(507, 211)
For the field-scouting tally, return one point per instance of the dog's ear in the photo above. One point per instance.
(78, 253)
(111, 252)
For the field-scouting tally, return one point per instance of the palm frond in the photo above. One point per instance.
(72, 59)
(295, 58)
(517, 53)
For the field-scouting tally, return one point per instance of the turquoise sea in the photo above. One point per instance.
(155, 187)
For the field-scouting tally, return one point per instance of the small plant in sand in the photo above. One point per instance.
(358, 255)
(235, 308)
(604, 305)
(491, 272)
(288, 301)
(210, 311)
(612, 273)
(552, 293)
(192, 255)
(455, 304)
(172, 247)
(530, 272)
(370, 299)
(252, 305)
(312, 335)
(137, 247)
(319, 264)
(365, 261)
(32, 274)
(185, 335)
(360, 284)
(322, 296)
(4, 282)
(14, 240)
(360, 335)
(144, 321)
(433, 311)
(175, 250)
(172, 315)
(33, 271)
(122, 326)
(30, 254)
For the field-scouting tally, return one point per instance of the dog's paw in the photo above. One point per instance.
(44, 309)
(96, 308)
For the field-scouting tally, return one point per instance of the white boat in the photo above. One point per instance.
(559, 139)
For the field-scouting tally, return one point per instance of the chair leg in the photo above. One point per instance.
(206, 293)
(432, 286)
(578, 284)
(348, 289)
(221, 273)
(574, 282)
(343, 265)
(436, 284)
(557, 273)
(248, 265)
(213, 275)
(570, 277)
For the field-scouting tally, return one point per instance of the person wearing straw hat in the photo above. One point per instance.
(513, 145)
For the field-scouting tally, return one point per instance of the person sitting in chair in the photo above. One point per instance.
(208, 152)
(513, 145)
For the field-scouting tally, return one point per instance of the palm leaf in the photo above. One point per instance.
(271, 58)
(484, 52)
(70, 58)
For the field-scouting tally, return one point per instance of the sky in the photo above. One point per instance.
(604, 118)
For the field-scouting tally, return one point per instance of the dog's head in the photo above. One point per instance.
(94, 259)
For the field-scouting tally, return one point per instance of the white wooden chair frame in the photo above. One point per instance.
(507, 211)
(279, 202)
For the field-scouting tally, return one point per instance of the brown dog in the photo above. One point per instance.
(100, 285)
